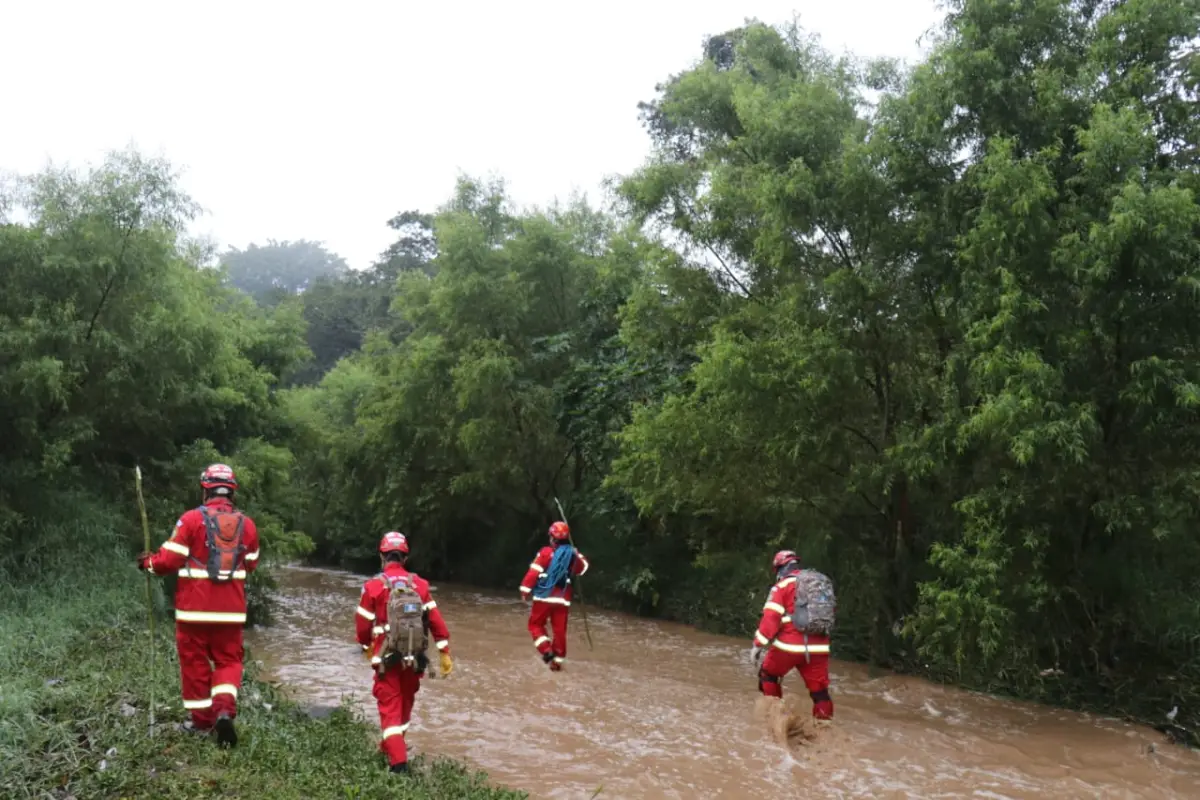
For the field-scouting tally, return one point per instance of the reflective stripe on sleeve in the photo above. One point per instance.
(442, 644)
(176, 547)
(526, 589)
(760, 639)
(771, 606)
(432, 604)
(252, 556)
(586, 566)
(536, 567)
(362, 612)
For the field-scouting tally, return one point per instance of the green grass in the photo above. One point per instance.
(75, 681)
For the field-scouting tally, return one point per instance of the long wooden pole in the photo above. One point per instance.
(137, 472)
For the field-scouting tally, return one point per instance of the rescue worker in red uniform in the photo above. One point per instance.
(552, 599)
(210, 600)
(787, 648)
(396, 687)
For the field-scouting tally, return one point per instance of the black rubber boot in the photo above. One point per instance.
(226, 733)
(400, 769)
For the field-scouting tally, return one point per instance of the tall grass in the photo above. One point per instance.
(75, 682)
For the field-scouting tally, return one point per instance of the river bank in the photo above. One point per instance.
(75, 685)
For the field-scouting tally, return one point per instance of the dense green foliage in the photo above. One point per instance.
(75, 683)
(117, 348)
(934, 327)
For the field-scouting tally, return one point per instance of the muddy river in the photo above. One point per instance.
(659, 710)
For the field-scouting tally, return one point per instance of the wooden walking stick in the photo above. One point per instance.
(137, 482)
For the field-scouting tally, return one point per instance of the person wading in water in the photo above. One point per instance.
(548, 582)
(394, 618)
(794, 632)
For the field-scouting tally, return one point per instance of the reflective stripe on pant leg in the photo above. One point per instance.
(195, 673)
(410, 684)
(537, 627)
(225, 645)
(558, 621)
(392, 723)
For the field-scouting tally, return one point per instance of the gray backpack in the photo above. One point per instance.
(815, 603)
(405, 636)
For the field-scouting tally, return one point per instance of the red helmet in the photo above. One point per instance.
(218, 475)
(393, 542)
(559, 532)
(785, 557)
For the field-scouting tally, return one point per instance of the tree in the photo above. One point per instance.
(278, 269)
(117, 348)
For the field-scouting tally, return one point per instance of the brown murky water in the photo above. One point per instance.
(661, 711)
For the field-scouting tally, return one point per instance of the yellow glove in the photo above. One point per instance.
(447, 663)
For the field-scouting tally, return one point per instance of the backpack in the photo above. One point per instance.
(223, 535)
(815, 604)
(558, 574)
(405, 636)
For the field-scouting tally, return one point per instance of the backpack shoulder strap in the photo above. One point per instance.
(391, 582)
(240, 532)
(210, 525)
(792, 581)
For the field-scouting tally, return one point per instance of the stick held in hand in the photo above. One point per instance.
(137, 482)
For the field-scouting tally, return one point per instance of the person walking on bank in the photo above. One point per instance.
(794, 631)
(213, 550)
(548, 581)
(394, 618)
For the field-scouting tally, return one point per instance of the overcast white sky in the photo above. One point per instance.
(322, 120)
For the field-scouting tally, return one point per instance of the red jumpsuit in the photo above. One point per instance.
(553, 608)
(209, 616)
(396, 689)
(788, 649)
